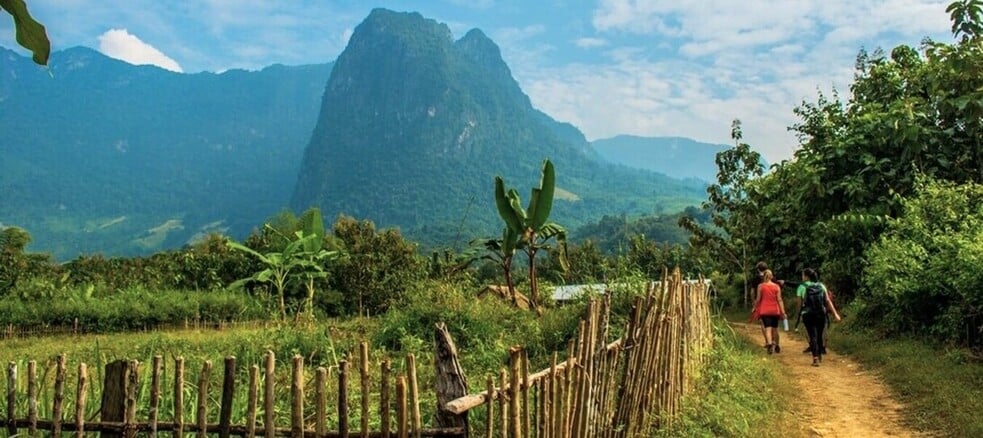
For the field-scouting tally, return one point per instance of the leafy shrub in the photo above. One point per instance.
(923, 274)
(98, 309)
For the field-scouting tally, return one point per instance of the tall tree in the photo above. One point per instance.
(732, 211)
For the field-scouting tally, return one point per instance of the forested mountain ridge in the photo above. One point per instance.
(414, 126)
(677, 157)
(121, 159)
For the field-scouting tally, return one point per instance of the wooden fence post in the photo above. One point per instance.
(450, 380)
(114, 389)
(11, 398)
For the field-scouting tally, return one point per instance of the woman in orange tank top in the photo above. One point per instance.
(770, 309)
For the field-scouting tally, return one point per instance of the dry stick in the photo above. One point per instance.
(59, 397)
(11, 398)
(178, 397)
(297, 395)
(542, 417)
(80, 400)
(155, 368)
(503, 399)
(490, 418)
(414, 395)
(555, 405)
(206, 371)
(32, 397)
(515, 430)
(568, 391)
(269, 381)
(524, 368)
(320, 400)
(343, 398)
(228, 394)
(401, 407)
(364, 376)
(130, 414)
(253, 396)
(384, 398)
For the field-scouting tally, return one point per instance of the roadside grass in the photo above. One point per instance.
(940, 386)
(740, 393)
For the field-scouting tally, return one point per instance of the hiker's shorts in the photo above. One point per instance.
(770, 321)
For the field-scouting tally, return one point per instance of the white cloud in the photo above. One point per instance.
(753, 60)
(120, 44)
(588, 43)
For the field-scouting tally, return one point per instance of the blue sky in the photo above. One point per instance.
(643, 67)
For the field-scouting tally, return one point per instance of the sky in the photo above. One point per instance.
(642, 67)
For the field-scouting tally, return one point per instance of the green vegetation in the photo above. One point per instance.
(940, 386)
(882, 195)
(739, 394)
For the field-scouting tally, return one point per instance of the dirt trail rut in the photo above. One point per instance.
(838, 398)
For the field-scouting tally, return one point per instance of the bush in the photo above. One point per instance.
(923, 275)
(101, 310)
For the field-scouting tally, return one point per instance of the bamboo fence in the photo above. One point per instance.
(624, 388)
(124, 381)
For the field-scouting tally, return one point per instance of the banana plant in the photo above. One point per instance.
(529, 226)
(501, 251)
(29, 33)
(302, 258)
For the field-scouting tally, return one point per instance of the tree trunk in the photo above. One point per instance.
(533, 284)
(507, 270)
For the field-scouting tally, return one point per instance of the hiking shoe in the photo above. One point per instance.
(778, 349)
(815, 362)
(771, 348)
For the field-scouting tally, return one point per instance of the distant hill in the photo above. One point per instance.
(677, 157)
(415, 125)
(102, 156)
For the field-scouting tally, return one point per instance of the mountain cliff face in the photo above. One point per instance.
(414, 126)
(103, 156)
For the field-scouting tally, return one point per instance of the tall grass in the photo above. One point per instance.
(740, 394)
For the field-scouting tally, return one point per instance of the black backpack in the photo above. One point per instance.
(814, 302)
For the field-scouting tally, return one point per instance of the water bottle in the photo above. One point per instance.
(785, 324)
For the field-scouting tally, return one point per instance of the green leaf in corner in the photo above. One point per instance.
(30, 33)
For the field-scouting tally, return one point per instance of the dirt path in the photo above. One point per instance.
(847, 402)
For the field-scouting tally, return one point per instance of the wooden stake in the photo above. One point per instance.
(32, 398)
(202, 419)
(178, 397)
(364, 380)
(11, 399)
(414, 395)
(253, 398)
(297, 397)
(228, 395)
(384, 408)
(269, 381)
(56, 415)
(343, 398)
(320, 401)
(80, 396)
(401, 423)
(155, 367)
